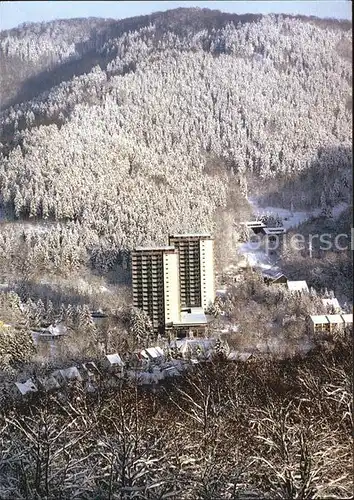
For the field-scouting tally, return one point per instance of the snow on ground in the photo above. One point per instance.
(295, 218)
(257, 257)
(254, 257)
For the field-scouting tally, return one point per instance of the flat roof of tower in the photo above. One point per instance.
(149, 249)
(191, 235)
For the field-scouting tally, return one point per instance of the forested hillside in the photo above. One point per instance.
(166, 117)
(115, 134)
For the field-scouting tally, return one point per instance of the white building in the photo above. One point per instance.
(332, 304)
(114, 360)
(26, 387)
(156, 284)
(297, 286)
(257, 226)
(330, 322)
(347, 320)
(196, 269)
(193, 321)
(56, 330)
(155, 353)
(171, 287)
(170, 280)
(274, 231)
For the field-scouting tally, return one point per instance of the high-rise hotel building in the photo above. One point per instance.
(175, 283)
(196, 269)
(156, 284)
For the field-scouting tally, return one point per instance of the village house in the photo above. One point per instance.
(25, 387)
(332, 305)
(48, 384)
(113, 363)
(256, 226)
(329, 323)
(274, 277)
(154, 354)
(193, 322)
(297, 286)
(271, 233)
(335, 321)
(89, 371)
(240, 356)
(71, 374)
(319, 323)
(67, 375)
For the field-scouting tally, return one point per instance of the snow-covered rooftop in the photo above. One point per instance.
(274, 273)
(142, 377)
(159, 249)
(297, 286)
(335, 318)
(239, 356)
(71, 373)
(331, 302)
(348, 318)
(115, 359)
(55, 330)
(185, 344)
(98, 314)
(171, 371)
(26, 387)
(253, 223)
(154, 352)
(319, 318)
(332, 318)
(196, 316)
(274, 230)
(90, 367)
(144, 354)
(191, 235)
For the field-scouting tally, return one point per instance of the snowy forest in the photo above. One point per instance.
(131, 148)
(114, 134)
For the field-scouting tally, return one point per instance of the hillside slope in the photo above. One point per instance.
(173, 113)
